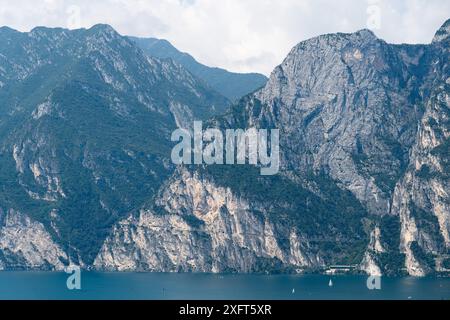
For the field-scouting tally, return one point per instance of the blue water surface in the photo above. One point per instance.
(165, 286)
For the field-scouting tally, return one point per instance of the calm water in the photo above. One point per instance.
(95, 285)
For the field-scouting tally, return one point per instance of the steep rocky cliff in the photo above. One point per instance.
(199, 226)
(364, 178)
(356, 115)
(422, 196)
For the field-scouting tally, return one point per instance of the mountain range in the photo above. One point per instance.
(86, 176)
(231, 85)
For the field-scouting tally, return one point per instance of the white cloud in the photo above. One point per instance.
(240, 35)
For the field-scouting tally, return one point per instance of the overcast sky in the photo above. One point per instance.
(239, 35)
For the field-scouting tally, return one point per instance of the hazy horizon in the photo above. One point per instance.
(240, 36)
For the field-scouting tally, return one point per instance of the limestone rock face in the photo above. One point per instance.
(204, 228)
(422, 196)
(25, 244)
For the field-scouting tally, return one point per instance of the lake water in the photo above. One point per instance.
(145, 286)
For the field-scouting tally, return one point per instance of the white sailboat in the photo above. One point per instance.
(330, 284)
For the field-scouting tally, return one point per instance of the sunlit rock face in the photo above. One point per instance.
(203, 228)
(26, 244)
